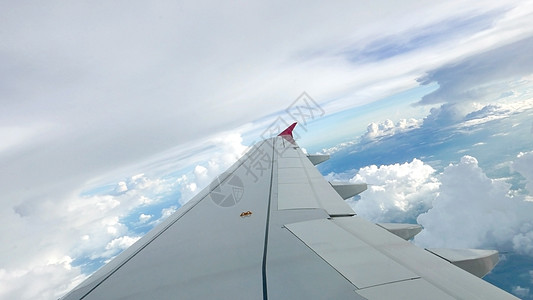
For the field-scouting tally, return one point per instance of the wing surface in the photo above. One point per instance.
(271, 227)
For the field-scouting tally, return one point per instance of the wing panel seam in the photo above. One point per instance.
(267, 226)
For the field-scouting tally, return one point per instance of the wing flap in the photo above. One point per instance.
(382, 265)
(440, 273)
(353, 258)
(405, 231)
(348, 190)
(317, 158)
(476, 261)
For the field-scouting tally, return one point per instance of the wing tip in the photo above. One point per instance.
(288, 130)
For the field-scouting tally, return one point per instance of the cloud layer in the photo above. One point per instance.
(104, 103)
(80, 232)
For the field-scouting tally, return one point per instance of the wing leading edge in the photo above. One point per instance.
(271, 227)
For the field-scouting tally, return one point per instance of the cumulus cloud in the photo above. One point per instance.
(376, 131)
(228, 148)
(115, 246)
(521, 291)
(474, 211)
(167, 212)
(338, 147)
(388, 128)
(143, 218)
(460, 208)
(446, 114)
(396, 192)
(523, 164)
(121, 187)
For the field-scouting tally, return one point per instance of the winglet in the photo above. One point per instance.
(289, 130)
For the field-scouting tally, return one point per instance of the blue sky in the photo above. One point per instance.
(114, 114)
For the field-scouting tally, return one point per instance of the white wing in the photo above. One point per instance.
(271, 227)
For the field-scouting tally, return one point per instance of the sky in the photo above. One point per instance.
(114, 114)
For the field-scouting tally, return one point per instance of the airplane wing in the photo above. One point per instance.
(271, 227)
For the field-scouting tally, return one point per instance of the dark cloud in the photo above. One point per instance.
(477, 76)
(444, 115)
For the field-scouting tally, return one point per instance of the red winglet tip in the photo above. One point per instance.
(289, 130)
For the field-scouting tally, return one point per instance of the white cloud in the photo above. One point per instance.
(521, 291)
(117, 245)
(396, 192)
(46, 281)
(388, 128)
(474, 211)
(121, 187)
(338, 147)
(228, 148)
(523, 164)
(47, 234)
(496, 111)
(143, 218)
(167, 212)
(56, 60)
(15, 136)
(460, 208)
(376, 131)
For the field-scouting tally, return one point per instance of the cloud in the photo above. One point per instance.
(337, 147)
(93, 83)
(444, 115)
(468, 114)
(165, 213)
(53, 240)
(144, 218)
(480, 76)
(117, 245)
(396, 193)
(456, 213)
(523, 164)
(16, 136)
(521, 291)
(476, 213)
(47, 281)
(391, 46)
(100, 222)
(489, 76)
(227, 149)
(388, 128)
(377, 131)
